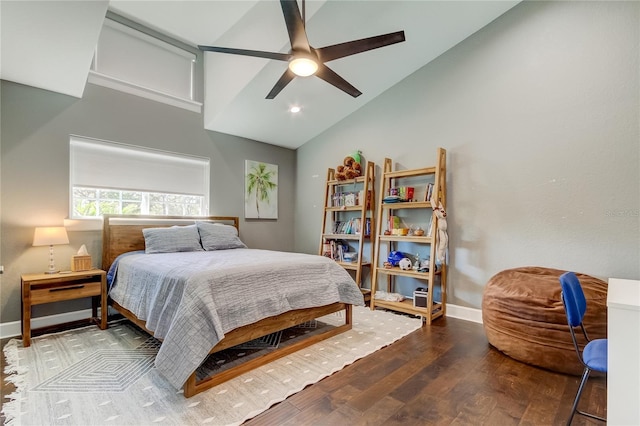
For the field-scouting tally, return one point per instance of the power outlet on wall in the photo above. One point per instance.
(1, 269)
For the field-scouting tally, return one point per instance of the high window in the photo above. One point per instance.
(132, 61)
(113, 178)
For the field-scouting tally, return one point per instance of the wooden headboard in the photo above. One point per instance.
(123, 233)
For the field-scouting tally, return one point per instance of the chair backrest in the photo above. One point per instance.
(575, 304)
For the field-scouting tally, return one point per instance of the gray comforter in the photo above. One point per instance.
(190, 300)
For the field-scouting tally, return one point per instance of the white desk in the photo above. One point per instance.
(623, 332)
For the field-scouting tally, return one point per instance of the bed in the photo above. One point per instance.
(198, 301)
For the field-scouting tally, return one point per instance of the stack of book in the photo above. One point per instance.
(352, 226)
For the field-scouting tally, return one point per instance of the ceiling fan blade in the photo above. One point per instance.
(295, 26)
(256, 53)
(336, 51)
(282, 82)
(330, 76)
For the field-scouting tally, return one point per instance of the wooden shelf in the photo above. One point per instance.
(360, 214)
(406, 273)
(406, 238)
(344, 208)
(407, 307)
(428, 176)
(335, 182)
(410, 173)
(353, 265)
(344, 236)
(407, 205)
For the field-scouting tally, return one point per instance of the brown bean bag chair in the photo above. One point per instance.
(523, 317)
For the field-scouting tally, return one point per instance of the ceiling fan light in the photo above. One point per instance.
(303, 67)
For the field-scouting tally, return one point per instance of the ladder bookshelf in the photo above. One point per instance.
(388, 240)
(348, 218)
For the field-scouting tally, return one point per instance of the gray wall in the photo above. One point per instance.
(35, 173)
(539, 112)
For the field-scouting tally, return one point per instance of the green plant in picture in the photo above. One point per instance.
(260, 183)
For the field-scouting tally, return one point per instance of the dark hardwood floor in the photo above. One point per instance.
(443, 374)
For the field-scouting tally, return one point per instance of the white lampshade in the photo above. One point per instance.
(303, 66)
(50, 236)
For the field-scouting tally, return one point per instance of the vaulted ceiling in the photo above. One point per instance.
(50, 44)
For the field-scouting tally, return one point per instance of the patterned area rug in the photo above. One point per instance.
(92, 377)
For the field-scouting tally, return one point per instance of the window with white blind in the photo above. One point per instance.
(113, 178)
(134, 62)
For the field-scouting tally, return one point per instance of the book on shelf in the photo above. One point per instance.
(428, 192)
(335, 250)
(394, 222)
(351, 226)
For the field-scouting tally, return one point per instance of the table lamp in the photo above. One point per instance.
(50, 236)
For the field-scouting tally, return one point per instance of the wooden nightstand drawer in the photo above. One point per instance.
(67, 292)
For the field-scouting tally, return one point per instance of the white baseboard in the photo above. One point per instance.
(14, 329)
(463, 313)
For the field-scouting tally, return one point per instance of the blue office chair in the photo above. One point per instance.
(594, 354)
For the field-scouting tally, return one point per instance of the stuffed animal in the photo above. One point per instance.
(350, 167)
(405, 264)
(443, 237)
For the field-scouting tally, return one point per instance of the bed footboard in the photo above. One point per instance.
(254, 331)
(266, 326)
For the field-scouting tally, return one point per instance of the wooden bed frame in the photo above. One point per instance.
(123, 233)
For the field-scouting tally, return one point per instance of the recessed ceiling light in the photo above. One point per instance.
(295, 109)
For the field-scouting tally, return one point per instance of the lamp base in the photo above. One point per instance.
(52, 266)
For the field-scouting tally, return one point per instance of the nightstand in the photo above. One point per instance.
(47, 288)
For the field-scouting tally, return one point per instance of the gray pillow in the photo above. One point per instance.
(219, 237)
(173, 239)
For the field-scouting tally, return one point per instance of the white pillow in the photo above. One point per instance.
(171, 240)
(216, 236)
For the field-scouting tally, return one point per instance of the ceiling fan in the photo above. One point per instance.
(304, 60)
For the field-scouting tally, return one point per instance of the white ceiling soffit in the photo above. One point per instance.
(236, 86)
(49, 44)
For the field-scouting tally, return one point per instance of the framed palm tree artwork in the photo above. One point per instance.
(260, 190)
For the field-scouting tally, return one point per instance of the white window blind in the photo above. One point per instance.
(135, 57)
(101, 164)
(134, 62)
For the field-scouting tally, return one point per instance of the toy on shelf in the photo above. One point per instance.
(350, 168)
(443, 237)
